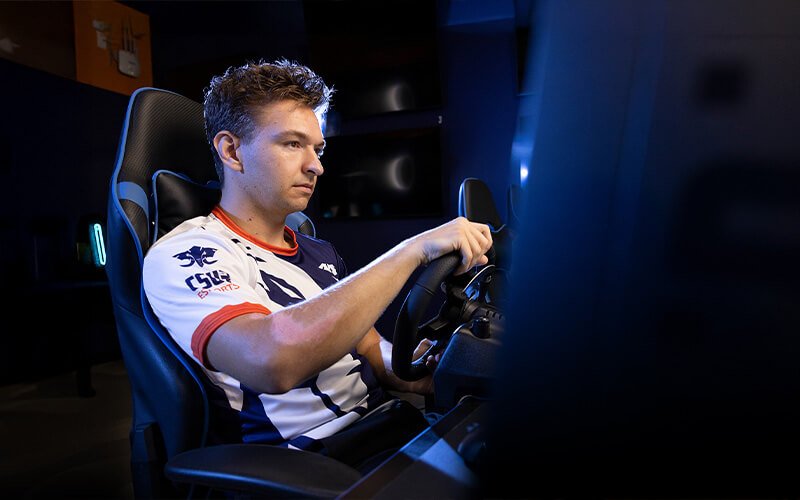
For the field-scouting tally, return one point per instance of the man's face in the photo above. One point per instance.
(281, 160)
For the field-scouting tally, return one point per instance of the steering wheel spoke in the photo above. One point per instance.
(435, 329)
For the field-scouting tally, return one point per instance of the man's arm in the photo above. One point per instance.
(274, 353)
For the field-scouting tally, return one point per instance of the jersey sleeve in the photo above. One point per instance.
(341, 267)
(194, 285)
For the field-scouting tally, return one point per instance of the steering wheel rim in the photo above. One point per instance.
(407, 331)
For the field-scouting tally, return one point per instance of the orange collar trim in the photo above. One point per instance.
(217, 211)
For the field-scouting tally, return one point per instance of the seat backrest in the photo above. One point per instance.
(163, 175)
(475, 202)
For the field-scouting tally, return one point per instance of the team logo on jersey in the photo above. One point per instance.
(328, 267)
(196, 255)
(207, 280)
(279, 291)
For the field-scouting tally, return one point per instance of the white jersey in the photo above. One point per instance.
(207, 271)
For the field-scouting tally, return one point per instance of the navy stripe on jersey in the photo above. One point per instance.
(279, 291)
(376, 396)
(256, 425)
(329, 404)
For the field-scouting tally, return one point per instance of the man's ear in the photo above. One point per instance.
(227, 146)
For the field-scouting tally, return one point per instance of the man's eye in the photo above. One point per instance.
(293, 144)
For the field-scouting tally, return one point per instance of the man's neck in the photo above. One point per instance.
(268, 229)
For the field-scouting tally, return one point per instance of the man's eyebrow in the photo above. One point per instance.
(286, 134)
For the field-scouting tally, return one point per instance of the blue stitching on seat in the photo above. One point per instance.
(133, 192)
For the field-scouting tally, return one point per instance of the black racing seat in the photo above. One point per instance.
(164, 175)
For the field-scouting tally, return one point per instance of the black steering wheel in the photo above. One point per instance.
(459, 307)
(407, 333)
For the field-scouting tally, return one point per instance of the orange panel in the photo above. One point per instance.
(112, 46)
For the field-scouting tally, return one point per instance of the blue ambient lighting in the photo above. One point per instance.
(98, 245)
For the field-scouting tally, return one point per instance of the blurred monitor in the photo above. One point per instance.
(392, 174)
(653, 344)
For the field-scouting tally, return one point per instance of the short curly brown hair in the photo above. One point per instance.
(231, 98)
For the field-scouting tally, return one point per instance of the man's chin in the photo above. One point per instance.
(297, 206)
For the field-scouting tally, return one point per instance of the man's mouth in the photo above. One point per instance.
(305, 187)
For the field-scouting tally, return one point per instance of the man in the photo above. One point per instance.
(286, 338)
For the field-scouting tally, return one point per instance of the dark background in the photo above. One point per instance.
(58, 138)
(654, 323)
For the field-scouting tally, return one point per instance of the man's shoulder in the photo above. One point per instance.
(314, 246)
(311, 240)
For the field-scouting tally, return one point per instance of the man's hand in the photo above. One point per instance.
(471, 239)
(378, 352)
(424, 385)
(421, 386)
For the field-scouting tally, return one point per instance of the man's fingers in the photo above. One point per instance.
(476, 241)
(433, 361)
(481, 236)
(485, 237)
(466, 258)
(423, 346)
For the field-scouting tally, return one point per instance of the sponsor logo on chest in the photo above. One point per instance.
(328, 267)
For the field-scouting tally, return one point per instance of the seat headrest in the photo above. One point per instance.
(177, 198)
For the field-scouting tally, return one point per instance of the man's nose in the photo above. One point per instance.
(313, 164)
